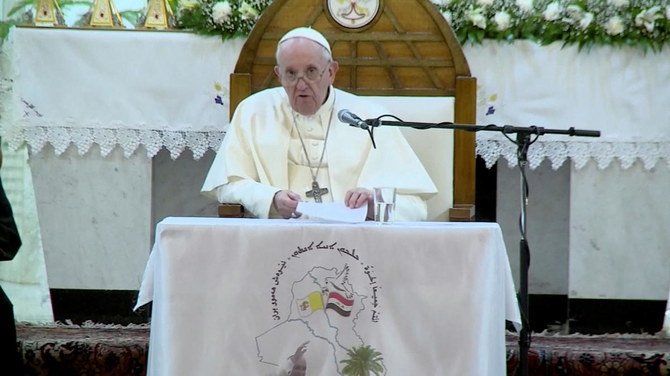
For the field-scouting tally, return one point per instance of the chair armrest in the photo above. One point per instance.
(231, 211)
(462, 213)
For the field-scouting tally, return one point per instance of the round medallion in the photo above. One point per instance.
(353, 14)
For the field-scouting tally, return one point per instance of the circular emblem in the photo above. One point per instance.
(353, 14)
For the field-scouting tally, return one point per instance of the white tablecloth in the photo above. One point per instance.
(238, 296)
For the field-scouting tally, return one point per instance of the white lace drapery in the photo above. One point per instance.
(558, 152)
(129, 140)
(154, 90)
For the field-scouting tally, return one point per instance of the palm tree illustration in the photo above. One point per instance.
(363, 361)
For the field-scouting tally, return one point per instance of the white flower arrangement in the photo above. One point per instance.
(641, 23)
(227, 18)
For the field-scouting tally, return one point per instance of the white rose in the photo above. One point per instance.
(443, 3)
(553, 11)
(575, 13)
(447, 16)
(586, 20)
(525, 5)
(614, 26)
(221, 11)
(503, 20)
(477, 18)
(484, 3)
(618, 3)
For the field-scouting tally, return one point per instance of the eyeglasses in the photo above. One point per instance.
(311, 75)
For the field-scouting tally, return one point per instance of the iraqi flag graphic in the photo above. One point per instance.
(339, 303)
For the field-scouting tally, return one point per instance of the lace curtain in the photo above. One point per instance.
(144, 91)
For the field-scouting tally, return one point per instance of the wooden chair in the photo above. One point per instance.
(406, 52)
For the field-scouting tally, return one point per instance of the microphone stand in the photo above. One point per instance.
(523, 142)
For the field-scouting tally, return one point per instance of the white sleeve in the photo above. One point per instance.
(410, 208)
(254, 196)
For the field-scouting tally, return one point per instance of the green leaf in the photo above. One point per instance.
(5, 26)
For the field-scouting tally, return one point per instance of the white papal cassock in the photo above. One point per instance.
(262, 154)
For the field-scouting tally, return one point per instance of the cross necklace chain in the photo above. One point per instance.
(316, 192)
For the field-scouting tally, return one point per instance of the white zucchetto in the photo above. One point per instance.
(309, 33)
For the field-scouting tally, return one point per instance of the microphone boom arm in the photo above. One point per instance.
(490, 127)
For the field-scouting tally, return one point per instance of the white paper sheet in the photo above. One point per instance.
(332, 211)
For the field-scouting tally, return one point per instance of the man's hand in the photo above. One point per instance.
(286, 202)
(300, 351)
(357, 197)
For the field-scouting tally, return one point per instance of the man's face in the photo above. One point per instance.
(306, 73)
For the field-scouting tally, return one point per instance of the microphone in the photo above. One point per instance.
(350, 118)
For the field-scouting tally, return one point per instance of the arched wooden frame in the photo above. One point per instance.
(408, 50)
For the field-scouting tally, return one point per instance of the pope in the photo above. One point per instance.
(285, 144)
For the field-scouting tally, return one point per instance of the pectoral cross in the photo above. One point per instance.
(316, 191)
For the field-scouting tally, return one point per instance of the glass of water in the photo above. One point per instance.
(384, 198)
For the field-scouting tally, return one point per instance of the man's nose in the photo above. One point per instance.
(301, 83)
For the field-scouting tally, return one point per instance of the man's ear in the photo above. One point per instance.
(334, 66)
(277, 71)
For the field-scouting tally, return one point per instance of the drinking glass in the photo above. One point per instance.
(384, 200)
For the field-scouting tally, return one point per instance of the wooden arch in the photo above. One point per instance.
(407, 50)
